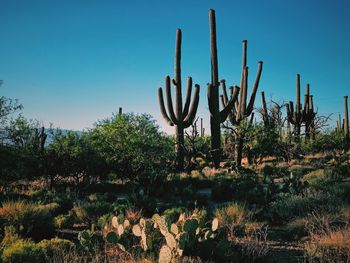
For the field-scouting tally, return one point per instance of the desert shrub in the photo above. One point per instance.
(10, 236)
(64, 221)
(232, 213)
(324, 142)
(288, 207)
(127, 141)
(89, 213)
(23, 251)
(222, 191)
(329, 246)
(295, 229)
(55, 246)
(30, 220)
(274, 171)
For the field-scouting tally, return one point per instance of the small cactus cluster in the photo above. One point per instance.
(174, 237)
(90, 238)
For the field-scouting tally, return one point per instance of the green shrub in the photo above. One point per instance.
(222, 191)
(232, 213)
(288, 207)
(23, 251)
(295, 229)
(64, 221)
(55, 246)
(90, 212)
(10, 236)
(29, 220)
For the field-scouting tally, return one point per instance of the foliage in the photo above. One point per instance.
(22, 251)
(30, 220)
(64, 221)
(89, 212)
(127, 141)
(55, 246)
(74, 156)
(325, 142)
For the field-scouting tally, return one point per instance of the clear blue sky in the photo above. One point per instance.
(74, 62)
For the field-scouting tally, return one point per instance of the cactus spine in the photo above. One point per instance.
(182, 117)
(216, 116)
(241, 110)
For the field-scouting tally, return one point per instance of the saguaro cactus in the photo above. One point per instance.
(264, 112)
(217, 116)
(302, 114)
(182, 117)
(309, 114)
(241, 110)
(295, 117)
(346, 120)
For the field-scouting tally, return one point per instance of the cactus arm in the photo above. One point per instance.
(177, 74)
(193, 111)
(255, 88)
(264, 109)
(213, 48)
(170, 101)
(188, 97)
(224, 96)
(243, 101)
(210, 90)
(162, 107)
(222, 101)
(227, 109)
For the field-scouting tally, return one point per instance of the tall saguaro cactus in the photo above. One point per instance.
(181, 117)
(241, 109)
(302, 114)
(217, 116)
(346, 120)
(295, 117)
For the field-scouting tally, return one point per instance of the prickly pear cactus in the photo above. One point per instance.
(165, 255)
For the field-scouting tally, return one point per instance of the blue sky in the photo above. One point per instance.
(73, 62)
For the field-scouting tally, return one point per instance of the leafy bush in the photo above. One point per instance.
(232, 213)
(288, 207)
(30, 220)
(56, 246)
(90, 212)
(64, 221)
(23, 251)
(127, 141)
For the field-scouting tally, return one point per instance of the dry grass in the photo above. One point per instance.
(329, 242)
(331, 246)
(133, 215)
(232, 213)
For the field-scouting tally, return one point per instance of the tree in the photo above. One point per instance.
(133, 147)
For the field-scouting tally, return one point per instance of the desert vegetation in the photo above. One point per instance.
(270, 184)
